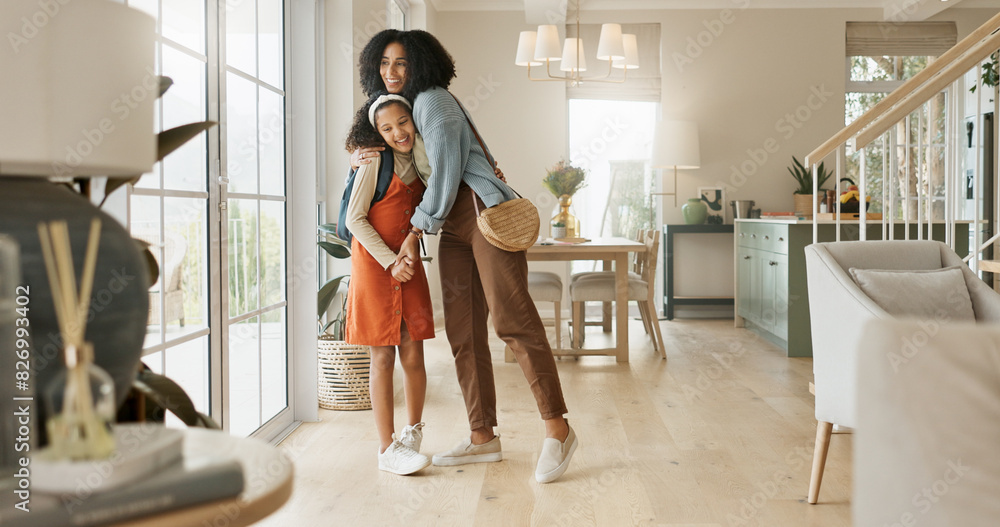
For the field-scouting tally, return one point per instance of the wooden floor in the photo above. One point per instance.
(721, 434)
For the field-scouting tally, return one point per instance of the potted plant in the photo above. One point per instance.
(804, 195)
(343, 368)
(563, 180)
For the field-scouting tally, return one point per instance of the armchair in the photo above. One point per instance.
(839, 308)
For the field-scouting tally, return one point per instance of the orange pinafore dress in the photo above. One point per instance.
(376, 302)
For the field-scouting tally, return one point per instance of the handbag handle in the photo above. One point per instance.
(489, 156)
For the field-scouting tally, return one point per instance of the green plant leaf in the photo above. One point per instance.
(326, 295)
(165, 84)
(329, 228)
(174, 138)
(335, 250)
(170, 396)
(116, 182)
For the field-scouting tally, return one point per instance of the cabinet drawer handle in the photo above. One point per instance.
(753, 235)
(781, 239)
(772, 263)
(742, 235)
(767, 237)
(746, 257)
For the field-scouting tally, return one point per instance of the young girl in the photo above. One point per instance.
(388, 304)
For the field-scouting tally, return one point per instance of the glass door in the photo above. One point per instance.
(253, 103)
(214, 211)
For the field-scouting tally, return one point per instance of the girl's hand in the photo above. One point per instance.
(402, 271)
(363, 156)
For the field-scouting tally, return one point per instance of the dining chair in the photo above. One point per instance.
(544, 286)
(599, 286)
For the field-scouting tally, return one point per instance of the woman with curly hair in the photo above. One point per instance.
(476, 278)
(388, 303)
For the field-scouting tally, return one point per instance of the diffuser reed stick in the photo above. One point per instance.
(76, 432)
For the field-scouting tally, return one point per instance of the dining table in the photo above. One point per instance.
(614, 253)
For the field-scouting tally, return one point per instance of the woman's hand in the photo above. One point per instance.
(403, 271)
(409, 250)
(499, 173)
(363, 156)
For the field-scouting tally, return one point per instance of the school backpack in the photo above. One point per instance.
(381, 187)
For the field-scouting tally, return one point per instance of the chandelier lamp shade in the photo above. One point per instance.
(541, 48)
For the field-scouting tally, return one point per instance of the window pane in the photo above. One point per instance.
(184, 23)
(185, 267)
(241, 134)
(243, 268)
(272, 252)
(241, 35)
(244, 377)
(868, 69)
(187, 365)
(272, 143)
(145, 226)
(184, 102)
(270, 27)
(274, 374)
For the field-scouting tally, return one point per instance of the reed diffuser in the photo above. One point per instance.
(80, 401)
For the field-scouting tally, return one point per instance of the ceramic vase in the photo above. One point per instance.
(695, 211)
(572, 225)
(116, 322)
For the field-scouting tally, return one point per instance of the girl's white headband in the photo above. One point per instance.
(382, 99)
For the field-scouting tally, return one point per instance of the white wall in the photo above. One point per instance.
(762, 84)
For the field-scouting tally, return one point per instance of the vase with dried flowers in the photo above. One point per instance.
(563, 180)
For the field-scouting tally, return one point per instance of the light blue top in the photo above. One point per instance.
(455, 156)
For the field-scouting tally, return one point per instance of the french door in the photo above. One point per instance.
(215, 212)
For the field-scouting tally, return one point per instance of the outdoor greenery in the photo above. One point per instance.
(564, 178)
(628, 208)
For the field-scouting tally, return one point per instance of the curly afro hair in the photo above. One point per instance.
(428, 64)
(362, 133)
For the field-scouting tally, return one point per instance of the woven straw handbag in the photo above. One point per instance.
(512, 225)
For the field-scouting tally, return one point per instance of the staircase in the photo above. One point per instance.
(877, 124)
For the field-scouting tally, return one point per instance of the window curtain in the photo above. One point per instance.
(877, 39)
(643, 84)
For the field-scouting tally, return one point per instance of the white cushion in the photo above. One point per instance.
(579, 276)
(544, 286)
(601, 288)
(939, 294)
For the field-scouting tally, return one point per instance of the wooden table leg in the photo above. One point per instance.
(621, 301)
(606, 306)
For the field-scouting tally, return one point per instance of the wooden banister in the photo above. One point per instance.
(903, 91)
(925, 92)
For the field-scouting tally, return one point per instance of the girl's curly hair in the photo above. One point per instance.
(428, 64)
(362, 134)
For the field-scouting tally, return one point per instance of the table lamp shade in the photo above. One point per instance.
(79, 89)
(676, 145)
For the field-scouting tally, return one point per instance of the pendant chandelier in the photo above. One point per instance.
(535, 48)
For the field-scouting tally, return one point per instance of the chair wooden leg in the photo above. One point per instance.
(644, 315)
(661, 346)
(823, 432)
(558, 318)
(578, 324)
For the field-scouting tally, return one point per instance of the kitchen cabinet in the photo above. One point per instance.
(771, 291)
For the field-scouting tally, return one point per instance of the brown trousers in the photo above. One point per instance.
(478, 279)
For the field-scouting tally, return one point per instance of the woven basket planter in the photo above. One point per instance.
(343, 375)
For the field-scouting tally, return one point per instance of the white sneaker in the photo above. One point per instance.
(555, 456)
(465, 452)
(400, 459)
(412, 436)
